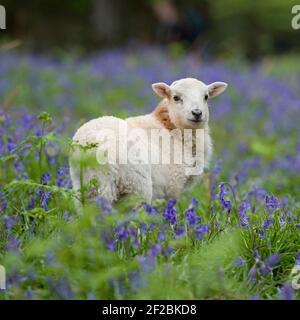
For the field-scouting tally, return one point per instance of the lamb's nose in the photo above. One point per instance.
(197, 113)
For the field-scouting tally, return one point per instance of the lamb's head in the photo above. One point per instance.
(187, 100)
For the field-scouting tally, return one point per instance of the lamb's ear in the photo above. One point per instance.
(162, 89)
(215, 88)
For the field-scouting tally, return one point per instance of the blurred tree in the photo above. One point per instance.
(246, 27)
(252, 27)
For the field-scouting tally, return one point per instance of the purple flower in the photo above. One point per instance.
(154, 250)
(151, 226)
(9, 221)
(179, 230)
(136, 280)
(226, 204)
(45, 178)
(217, 167)
(161, 236)
(262, 234)
(282, 220)
(66, 216)
(110, 245)
(149, 209)
(121, 232)
(90, 296)
(298, 258)
(12, 243)
(285, 292)
(148, 260)
(104, 204)
(255, 297)
(200, 230)
(193, 202)
(143, 227)
(267, 222)
(191, 217)
(252, 274)
(239, 261)
(61, 179)
(3, 202)
(31, 203)
(271, 261)
(242, 209)
(271, 203)
(167, 251)
(169, 212)
(45, 196)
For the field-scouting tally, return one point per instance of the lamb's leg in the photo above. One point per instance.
(95, 182)
(136, 179)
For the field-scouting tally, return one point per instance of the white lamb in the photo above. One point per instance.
(184, 106)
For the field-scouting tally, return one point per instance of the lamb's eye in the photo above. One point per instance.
(177, 98)
(206, 97)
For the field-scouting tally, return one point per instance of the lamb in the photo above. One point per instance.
(184, 107)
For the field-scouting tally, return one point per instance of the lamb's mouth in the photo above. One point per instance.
(196, 121)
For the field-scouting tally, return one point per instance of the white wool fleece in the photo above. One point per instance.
(184, 106)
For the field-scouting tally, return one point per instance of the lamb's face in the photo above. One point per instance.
(188, 101)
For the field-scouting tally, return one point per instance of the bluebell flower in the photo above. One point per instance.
(267, 266)
(169, 212)
(12, 243)
(31, 203)
(104, 204)
(267, 222)
(29, 294)
(154, 250)
(179, 230)
(60, 179)
(161, 236)
(45, 178)
(226, 203)
(151, 226)
(3, 202)
(262, 233)
(286, 292)
(193, 202)
(191, 217)
(143, 227)
(200, 230)
(66, 216)
(136, 280)
(121, 232)
(9, 221)
(271, 203)
(90, 296)
(110, 245)
(255, 297)
(149, 209)
(298, 258)
(217, 167)
(242, 209)
(239, 261)
(45, 196)
(167, 251)
(252, 274)
(282, 220)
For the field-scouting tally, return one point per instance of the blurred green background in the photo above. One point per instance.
(245, 28)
